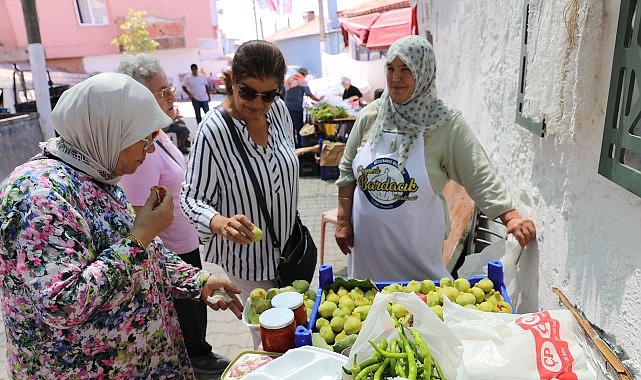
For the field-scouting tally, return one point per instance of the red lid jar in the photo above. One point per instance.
(294, 302)
(277, 329)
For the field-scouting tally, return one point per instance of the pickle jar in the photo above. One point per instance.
(294, 302)
(277, 329)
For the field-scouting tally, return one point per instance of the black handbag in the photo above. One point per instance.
(299, 254)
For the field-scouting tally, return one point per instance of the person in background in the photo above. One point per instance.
(351, 93)
(86, 287)
(377, 93)
(218, 196)
(402, 151)
(296, 88)
(165, 166)
(195, 86)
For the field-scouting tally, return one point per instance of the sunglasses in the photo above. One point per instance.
(149, 143)
(166, 92)
(248, 93)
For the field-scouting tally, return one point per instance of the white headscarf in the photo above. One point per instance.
(98, 118)
(423, 111)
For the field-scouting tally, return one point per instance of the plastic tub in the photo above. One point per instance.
(306, 362)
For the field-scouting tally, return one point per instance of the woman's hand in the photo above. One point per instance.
(238, 228)
(225, 295)
(523, 229)
(344, 235)
(155, 215)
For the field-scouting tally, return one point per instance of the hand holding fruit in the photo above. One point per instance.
(155, 215)
(238, 228)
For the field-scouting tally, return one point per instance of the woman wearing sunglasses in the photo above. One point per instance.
(218, 195)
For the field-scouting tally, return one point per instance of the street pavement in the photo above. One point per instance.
(228, 335)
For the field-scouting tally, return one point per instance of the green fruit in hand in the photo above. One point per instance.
(258, 232)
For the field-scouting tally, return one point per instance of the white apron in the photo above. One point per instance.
(398, 219)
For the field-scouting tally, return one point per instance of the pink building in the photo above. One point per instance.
(76, 35)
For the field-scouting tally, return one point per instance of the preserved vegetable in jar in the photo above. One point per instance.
(277, 329)
(294, 302)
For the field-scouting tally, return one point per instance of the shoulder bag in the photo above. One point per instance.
(298, 257)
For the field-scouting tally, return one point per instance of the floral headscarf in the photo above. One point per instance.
(423, 111)
(98, 118)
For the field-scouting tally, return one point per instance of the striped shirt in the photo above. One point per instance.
(216, 182)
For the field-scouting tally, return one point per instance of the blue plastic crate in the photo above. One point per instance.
(494, 273)
(329, 172)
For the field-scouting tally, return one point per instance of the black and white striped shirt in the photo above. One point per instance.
(216, 182)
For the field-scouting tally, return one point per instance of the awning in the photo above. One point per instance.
(377, 31)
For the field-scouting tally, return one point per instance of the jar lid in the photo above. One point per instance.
(276, 318)
(287, 300)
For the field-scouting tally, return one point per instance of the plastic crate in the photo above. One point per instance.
(326, 277)
(329, 172)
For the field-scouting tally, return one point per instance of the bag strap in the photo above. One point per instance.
(167, 151)
(259, 193)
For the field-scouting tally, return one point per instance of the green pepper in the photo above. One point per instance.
(387, 354)
(366, 371)
(427, 356)
(411, 362)
(379, 372)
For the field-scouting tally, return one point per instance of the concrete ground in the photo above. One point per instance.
(225, 333)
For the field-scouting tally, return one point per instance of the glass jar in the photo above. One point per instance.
(277, 329)
(294, 302)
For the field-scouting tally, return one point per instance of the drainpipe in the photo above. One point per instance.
(38, 68)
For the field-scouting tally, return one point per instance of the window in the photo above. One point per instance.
(620, 159)
(91, 12)
(524, 121)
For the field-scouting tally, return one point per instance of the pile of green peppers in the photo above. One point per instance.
(402, 357)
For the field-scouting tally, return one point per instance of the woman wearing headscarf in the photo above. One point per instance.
(401, 152)
(86, 288)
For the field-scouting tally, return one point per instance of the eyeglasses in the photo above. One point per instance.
(149, 143)
(248, 93)
(166, 92)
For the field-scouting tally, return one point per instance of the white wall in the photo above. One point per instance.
(588, 227)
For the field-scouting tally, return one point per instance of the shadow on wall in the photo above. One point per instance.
(20, 135)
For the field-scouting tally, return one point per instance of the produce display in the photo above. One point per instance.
(324, 111)
(260, 299)
(481, 295)
(406, 356)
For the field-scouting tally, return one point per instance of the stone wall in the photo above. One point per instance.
(19, 138)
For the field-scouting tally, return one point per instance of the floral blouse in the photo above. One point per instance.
(80, 299)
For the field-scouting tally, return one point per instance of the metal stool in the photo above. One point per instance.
(328, 216)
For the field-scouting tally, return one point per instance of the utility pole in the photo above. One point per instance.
(38, 68)
(322, 37)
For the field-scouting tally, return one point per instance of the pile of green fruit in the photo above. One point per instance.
(324, 111)
(260, 299)
(482, 296)
(341, 313)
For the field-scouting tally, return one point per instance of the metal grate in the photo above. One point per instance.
(620, 159)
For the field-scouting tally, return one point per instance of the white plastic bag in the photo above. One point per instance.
(444, 346)
(543, 345)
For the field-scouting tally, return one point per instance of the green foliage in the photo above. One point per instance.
(134, 37)
(324, 111)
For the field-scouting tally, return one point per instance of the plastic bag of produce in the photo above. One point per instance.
(543, 345)
(444, 345)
